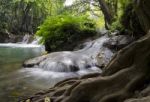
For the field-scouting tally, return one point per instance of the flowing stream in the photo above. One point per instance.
(17, 82)
(12, 84)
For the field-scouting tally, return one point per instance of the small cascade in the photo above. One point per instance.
(96, 49)
(36, 40)
(67, 61)
(29, 39)
(57, 66)
(26, 39)
(18, 52)
(62, 62)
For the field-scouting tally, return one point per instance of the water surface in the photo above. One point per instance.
(12, 83)
(17, 82)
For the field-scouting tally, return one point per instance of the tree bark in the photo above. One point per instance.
(143, 14)
(105, 9)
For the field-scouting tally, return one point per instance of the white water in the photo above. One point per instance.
(15, 45)
(56, 67)
(36, 40)
(25, 39)
(93, 48)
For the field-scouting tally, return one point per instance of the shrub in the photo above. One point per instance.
(63, 32)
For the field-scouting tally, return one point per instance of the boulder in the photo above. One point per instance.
(118, 41)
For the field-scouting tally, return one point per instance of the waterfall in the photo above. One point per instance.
(26, 39)
(36, 40)
(57, 66)
(29, 39)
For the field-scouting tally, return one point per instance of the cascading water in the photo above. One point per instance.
(26, 39)
(45, 71)
(36, 40)
(58, 66)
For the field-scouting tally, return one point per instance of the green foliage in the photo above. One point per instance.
(24, 16)
(116, 25)
(60, 31)
(100, 23)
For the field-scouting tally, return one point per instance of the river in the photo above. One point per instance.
(12, 83)
(17, 82)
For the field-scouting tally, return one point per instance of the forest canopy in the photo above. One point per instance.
(44, 18)
(24, 16)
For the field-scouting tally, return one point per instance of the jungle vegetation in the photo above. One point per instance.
(24, 16)
(53, 19)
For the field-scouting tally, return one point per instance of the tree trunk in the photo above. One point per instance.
(26, 19)
(144, 14)
(105, 9)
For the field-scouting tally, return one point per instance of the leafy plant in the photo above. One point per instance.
(60, 31)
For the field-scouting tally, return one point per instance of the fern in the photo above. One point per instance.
(64, 29)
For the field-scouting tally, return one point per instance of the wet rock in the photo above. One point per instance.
(74, 68)
(33, 62)
(118, 41)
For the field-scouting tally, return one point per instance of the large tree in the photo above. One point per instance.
(128, 72)
(106, 11)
